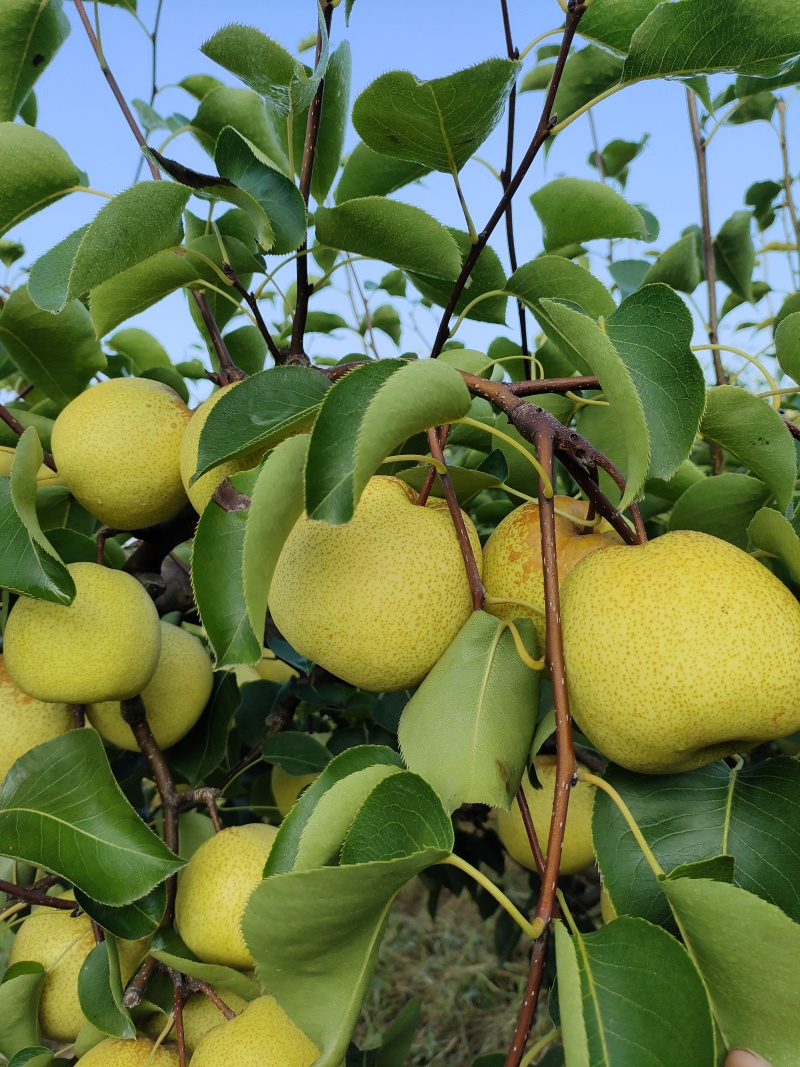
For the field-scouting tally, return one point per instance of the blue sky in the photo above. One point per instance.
(429, 37)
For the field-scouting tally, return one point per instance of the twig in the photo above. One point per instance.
(252, 303)
(787, 174)
(476, 586)
(177, 1011)
(546, 122)
(275, 722)
(708, 257)
(430, 477)
(79, 715)
(505, 175)
(207, 795)
(530, 830)
(19, 430)
(539, 386)
(228, 371)
(197, 985)
(306, 173)
(35, 896)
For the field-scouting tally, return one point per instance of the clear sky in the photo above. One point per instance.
(429, 37)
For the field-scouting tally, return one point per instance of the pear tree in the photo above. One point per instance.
(287, 627)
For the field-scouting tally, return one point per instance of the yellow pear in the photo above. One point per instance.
(262, 1036)
(286, 788)
(26, 722)
(512, 557)
(377, 600)
(103, 646)
(214, 890)
(117, 446)
(578, 850)
(61, 943)
(44, 476)
(174, 698)
(201, 491)
(268, 669)
(129, 1052)
(680, 652)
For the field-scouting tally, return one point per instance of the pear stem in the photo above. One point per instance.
(478, 876)
(197, 985)
(625, 811)
(473, 574)
(19, 430)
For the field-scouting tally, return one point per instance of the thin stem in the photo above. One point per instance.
(601, 783)
(19, 430)
(252, 303)
(543, 131)
(466, 421)
(490, 600)
(537, 40)
(473, 574)
(456, 861)
(538, 1047)
(197, 985)
(485, 296)
(306, 173)
(559, 126)
(538, 386)
(274, 723)
(34, 896)
(787, 174)
(473, 233)
(530, 830)
(229, 372)
(744, 355)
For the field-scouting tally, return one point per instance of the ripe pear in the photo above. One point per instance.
(268, 669)
(201, 491)
(44, 476)
(103, 646)
(26, 722)
(117, 446)
(61, 943)
(286, 788)
(174, 698)
(262, 1036)
(680, 652)
(127, 1052)
(512, 557)
(377, 600)
(214, 890)
(578, 850)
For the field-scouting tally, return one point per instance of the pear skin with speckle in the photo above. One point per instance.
(124, 1052)
(25, 721)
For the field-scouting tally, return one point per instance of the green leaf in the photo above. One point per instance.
(487, 276)
(760, 196)
(757, 108)
(652, 333)
(735, 255)
(754, 1007)
(370, 411)
(36, 172)
(247, 113)
(587, 74)
(277, 504)
(260, 412)
(399, 234)
(755, 434)
(10, 251)
(772, 533)
(616, 156)
(217, 580)
(703, 37)
(398, 1039)
(19, 1007)
(613, 22)
(595, 347)
(400, 817)
(100, 991)
(723, 507)
(315, 936)
(787, 345)
(789, 74)
(279, 199)
(385, 317)
(468, 728)
(333, 122)
(36, 1056)
(573, 210)
(296, 753)
(59, 354)
(629, 274)
(168, 949)
(679, 266)
(285, 854)
(32, 34)
(142, 349)
(367, 173)
(750, 814)
(136, 224)
(28, 563)
(204, 748)
(61, 809)
(467, 482)
(132, 921)
(438, 123)
(639, 998)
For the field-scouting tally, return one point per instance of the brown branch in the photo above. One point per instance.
(278, 720)
(306, 174)
(546, 122)
(787, 174)
(792, 427)
(505, 176)
(197, 985)
(252, 303)
(35, 896)
(708, 257)
(178, 998)
(476, 586)
(566, 774)
(530, 830)
(553, 385)
(19, 430)
(430, 477)
(158, 541)
(228, 372)
(205, 795)
(79, 716)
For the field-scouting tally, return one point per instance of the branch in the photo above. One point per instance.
(553, 385)
(505, 175)
(19, 430)
(473, 575)
(530, 830)
(576, 10)
(278, 720)
(228, 372)
(252, 303)
(787, 174)
(306, 173)
(34, 896)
